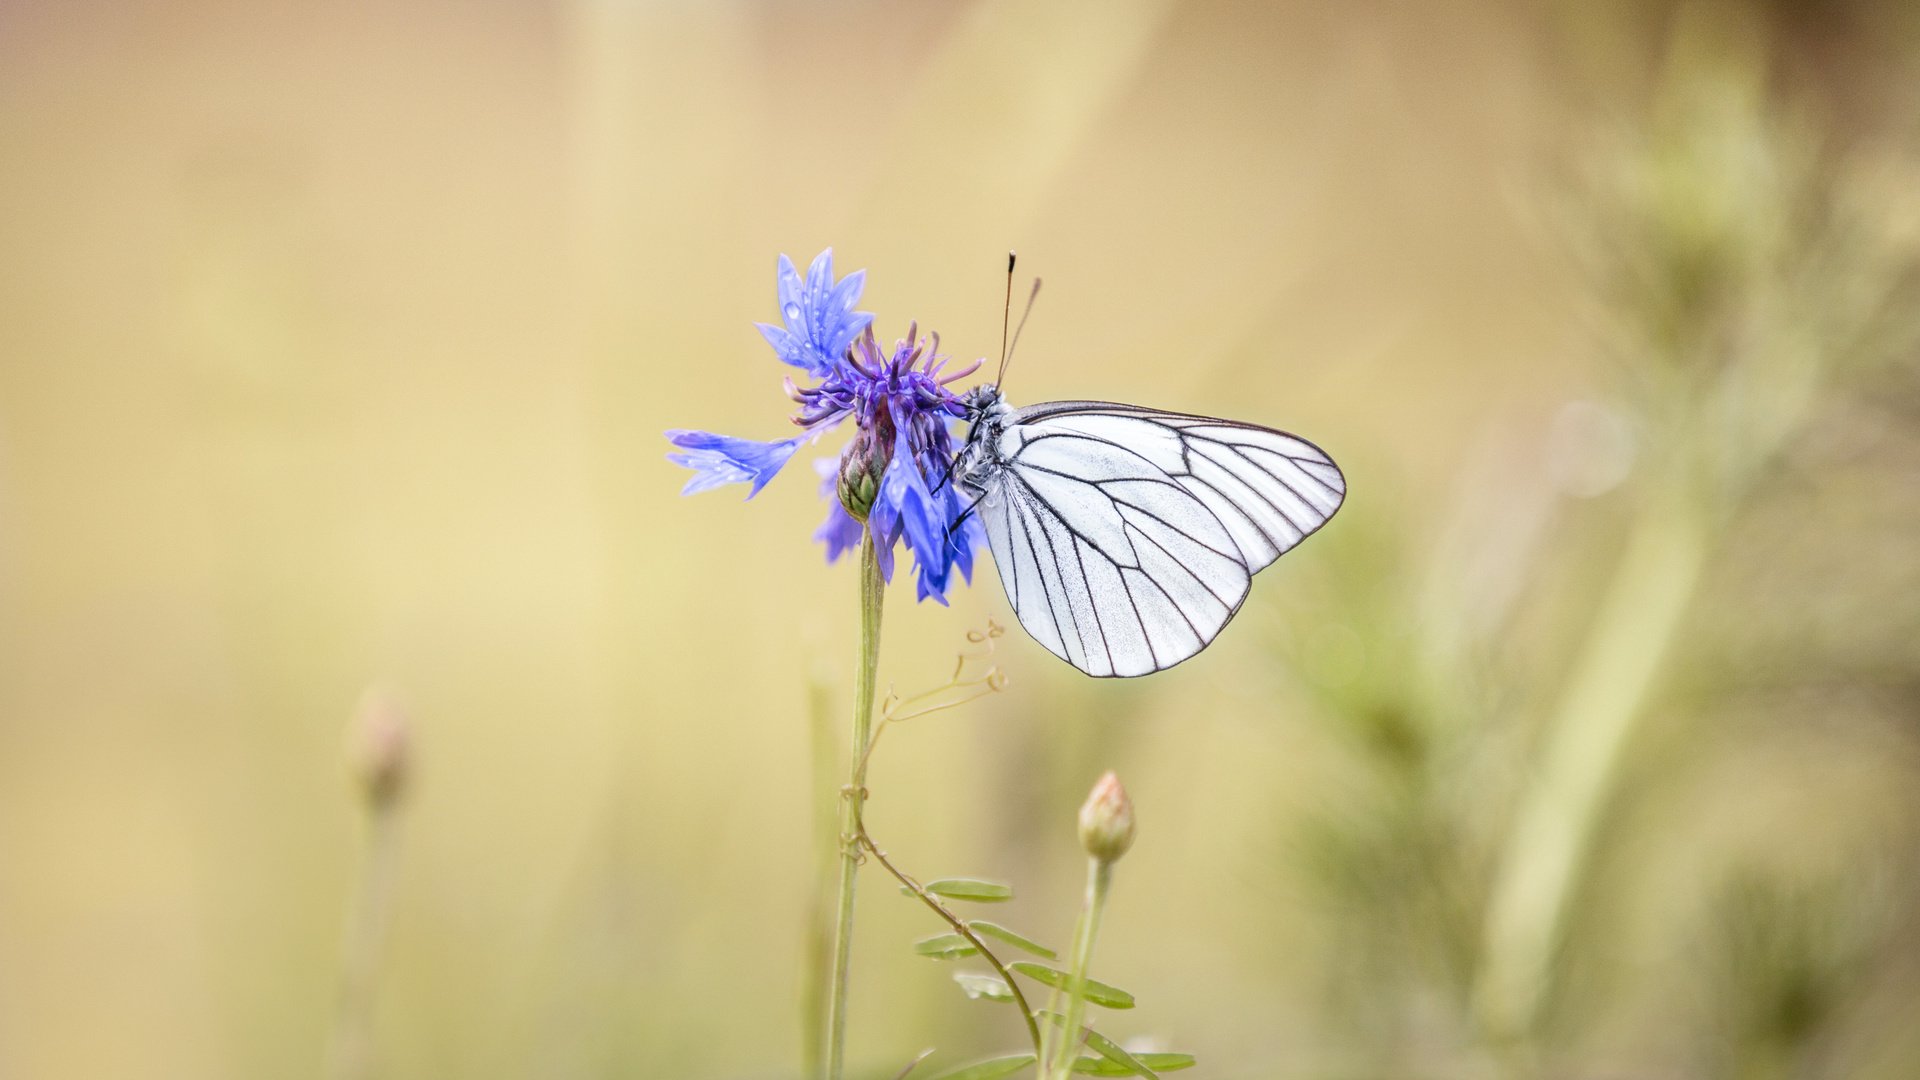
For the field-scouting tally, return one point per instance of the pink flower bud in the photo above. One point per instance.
(378, 748)
(1106, 821)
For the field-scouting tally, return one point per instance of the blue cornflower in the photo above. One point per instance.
(894, 472)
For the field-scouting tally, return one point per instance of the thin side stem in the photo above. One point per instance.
(1099, 877)
(813, 991)
(960, 927)
(853, 801)
(350, 1053)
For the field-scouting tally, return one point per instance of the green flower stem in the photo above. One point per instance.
(1099, 877)
(872, 594)
(350, 1053)
(826, 822)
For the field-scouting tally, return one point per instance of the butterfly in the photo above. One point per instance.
(1127, 537)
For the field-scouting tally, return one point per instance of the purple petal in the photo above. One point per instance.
(788, 280)
(908, 506)
(819, 280)
(717, 460)
(839, 532)
(792, 349)
(817, 314)
(777, 337)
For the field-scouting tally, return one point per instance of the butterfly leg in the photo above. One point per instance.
(946, 475)
(961, 520)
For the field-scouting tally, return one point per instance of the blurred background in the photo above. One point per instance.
(337, 341)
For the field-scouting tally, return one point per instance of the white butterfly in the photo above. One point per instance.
(1127, 537)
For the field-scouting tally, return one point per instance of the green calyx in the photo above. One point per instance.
(861, 469)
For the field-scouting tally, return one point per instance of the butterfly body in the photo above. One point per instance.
(1127, 537)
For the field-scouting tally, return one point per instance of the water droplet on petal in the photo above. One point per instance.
(792, 313)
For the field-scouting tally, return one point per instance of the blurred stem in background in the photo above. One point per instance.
(378, 753)
(820, 924)
(872, 596)
(1631, 634)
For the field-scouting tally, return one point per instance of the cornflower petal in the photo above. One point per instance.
(790, 349)
(819, 279)
(906, 490)
(717, 460)
(907, 505)
(884, 522)
(840, 532)
(791, 291)
(842, 323)
(817, 315)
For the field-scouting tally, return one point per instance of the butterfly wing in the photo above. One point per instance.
(1271, 489)
(1127, 538)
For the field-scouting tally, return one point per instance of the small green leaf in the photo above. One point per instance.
(989, 987)
(960, 888)
(995, 930)
(1092, 1066)
(945, 947)
(1113, 1052)
(1097, 992)
(991, 1069)
(1107, 1048)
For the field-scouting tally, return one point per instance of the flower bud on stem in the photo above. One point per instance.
(378, 750)
(1106, 831)
(862, 466)
(1106, 820)
(379, 755)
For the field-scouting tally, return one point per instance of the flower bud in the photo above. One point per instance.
(1106, 820)
(861, 467)
(378, 748)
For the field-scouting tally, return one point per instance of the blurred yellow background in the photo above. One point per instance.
(337, 341)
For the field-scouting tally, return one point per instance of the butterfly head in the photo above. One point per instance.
(987, 414)
(984, 400)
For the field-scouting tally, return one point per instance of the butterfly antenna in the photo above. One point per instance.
(1005, 360)
(1005, 315)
